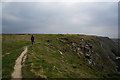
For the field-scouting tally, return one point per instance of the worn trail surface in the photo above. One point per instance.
(17, 73)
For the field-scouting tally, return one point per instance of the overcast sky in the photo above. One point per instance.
(59, 0)
(91, 18)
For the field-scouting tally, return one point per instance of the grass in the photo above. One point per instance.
(0, 56)
(12, 44)
(44, 58)
(8, 63)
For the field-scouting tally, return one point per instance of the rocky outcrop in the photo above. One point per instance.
(99, 52)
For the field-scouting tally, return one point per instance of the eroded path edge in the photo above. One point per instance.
(17, 73)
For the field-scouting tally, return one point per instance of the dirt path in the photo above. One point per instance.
(17, 73)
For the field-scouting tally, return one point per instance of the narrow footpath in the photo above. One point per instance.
(17, 73)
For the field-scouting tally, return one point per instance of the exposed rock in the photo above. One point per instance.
(74, 44)
(82, 39)
(81, 53)
(60, 52)
(85, 47)
(89, 61)
(63, 41)
(118, 58)
(78, 54)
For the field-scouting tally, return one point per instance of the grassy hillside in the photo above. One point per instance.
(61, 56)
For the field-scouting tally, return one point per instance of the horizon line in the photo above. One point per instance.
(61, 33)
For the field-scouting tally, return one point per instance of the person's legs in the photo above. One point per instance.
(32, 42)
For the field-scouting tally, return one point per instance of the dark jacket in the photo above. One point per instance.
(32, 38)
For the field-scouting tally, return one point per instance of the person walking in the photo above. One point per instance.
(32, 39)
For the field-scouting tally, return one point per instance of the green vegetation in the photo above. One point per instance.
(0, 56)
(12, 46)
(60, 56)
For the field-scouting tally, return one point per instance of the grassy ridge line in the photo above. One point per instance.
(44, 60)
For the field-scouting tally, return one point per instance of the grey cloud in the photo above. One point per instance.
(49, 17)
(0, 18)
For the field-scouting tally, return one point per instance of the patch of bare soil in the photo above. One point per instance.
(17, 73)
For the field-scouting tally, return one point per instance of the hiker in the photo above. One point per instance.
(32, 39)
